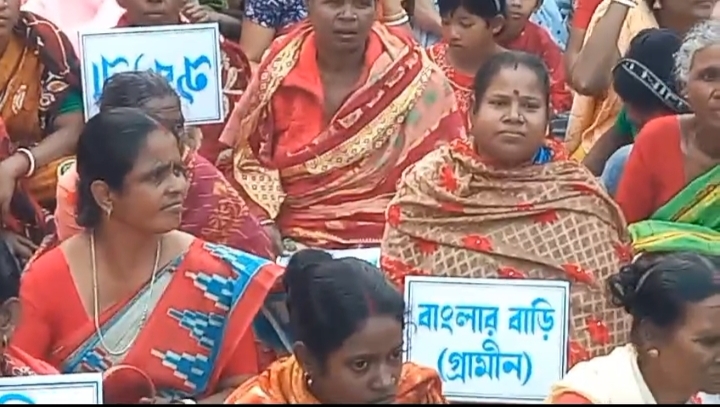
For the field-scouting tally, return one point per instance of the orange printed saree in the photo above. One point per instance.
(327, 185)
(456, 216)
(235, 76)
(284, 382)
(186, 333)
(38, 71)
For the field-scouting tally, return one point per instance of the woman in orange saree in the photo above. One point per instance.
(319, 169)
(351, 355)
(511, 205)
(165, 315)
(235, 65)
(42, 111)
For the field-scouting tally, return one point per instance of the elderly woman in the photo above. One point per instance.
(674, 301)
(510, 204)
(670, 188)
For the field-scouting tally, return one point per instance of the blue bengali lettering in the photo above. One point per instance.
(489, 362)
(188, 78)
(525, 320)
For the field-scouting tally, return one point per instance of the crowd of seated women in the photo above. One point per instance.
(145, 249)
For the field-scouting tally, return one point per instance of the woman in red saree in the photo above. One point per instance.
(318, 163)
(137, 294)
(510, 204)
(235, 66)
(14, 361)
(213, 210)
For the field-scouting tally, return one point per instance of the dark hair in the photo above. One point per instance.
(329, 299)
(657, 286)
(509, 59)
(134, 89)
(107, 149)
(485, 9)
(644, 78)
(9, 273)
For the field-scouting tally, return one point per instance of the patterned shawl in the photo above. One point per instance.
(456, 216)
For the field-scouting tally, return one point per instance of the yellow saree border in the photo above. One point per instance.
(690, 221)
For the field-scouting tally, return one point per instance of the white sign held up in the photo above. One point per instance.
(81, 388)
(491, 340)
(187, 55)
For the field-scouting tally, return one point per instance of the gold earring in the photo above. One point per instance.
(5, 341)
(108, 211)
(308, 380)
(653, 353)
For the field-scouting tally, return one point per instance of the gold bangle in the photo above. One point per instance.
(395, 17)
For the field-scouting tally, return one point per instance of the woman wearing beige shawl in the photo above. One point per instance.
(674, 300)
(596, 105)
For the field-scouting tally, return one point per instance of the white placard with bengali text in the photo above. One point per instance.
(188, 55)
(80, 388)
(370, 255)
(491, 340)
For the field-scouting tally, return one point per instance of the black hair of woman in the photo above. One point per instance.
(335, 304)
(107, 150)
(510, 59)
(674, 301)
(645, 79)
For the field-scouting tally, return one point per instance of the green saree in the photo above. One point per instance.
(689, 222)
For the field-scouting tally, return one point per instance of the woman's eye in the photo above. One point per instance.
(397, 354)
(360, 365)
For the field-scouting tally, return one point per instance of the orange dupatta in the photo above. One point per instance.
(333, 192)
(284, 382)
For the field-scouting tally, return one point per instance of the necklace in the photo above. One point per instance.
(96, 300)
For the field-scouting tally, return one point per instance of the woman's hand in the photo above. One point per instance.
(20, 246)
(275, 237)
(9, 170)
(199, 14)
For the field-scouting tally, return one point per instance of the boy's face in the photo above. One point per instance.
(520, 10)
(463, 30)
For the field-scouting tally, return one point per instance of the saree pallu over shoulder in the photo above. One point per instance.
(285, 382)
(349, 171)
(198, 310)
(689, 222)
(455, 216)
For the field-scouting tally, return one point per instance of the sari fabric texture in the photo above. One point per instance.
(456, 216)
(37, 72)
(591, 117)
(688, 222)
(192, 327)
(235, 75)
(332, 190)
(285, 382)
(15, 363)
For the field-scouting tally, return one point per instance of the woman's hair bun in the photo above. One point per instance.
(299, 271)
(623, 286)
